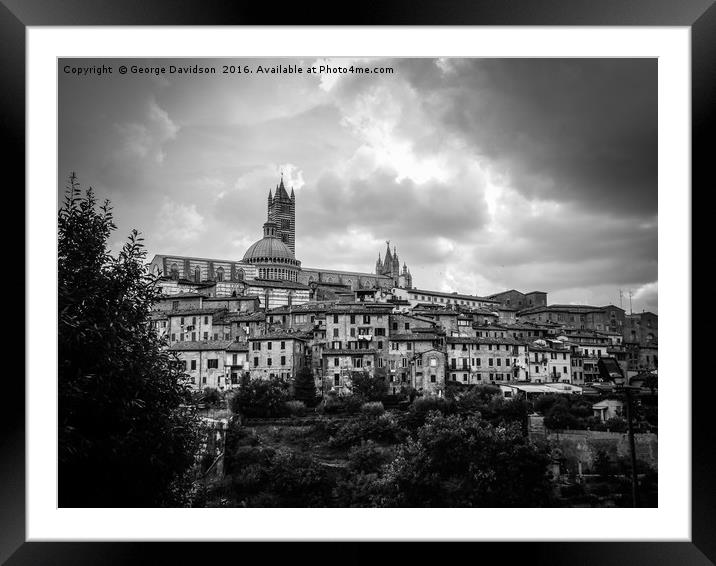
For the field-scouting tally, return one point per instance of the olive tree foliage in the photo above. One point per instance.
(125, 438)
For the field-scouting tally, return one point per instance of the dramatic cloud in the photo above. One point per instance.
(486, 174)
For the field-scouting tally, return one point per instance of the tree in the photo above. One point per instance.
(464, 461)
(125, 439)
(304, 387)
(367, 387)
(261, 398)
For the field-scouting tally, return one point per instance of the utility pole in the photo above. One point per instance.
(632, 451)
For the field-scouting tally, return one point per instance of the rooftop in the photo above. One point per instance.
(454, 295)
(204, 345)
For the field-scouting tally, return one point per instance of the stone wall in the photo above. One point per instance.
(582, 446)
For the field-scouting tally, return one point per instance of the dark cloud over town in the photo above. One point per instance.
(534, 174)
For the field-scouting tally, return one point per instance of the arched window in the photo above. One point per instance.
(220, 274)
(197, 274)
(240, 274)
(174, 271)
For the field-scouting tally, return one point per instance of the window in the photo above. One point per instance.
(234, 359)
(193, 364)
(336, 379)
(335, 320)
(268, 346)
(433, 362)
(490, 362)
(353, 319)
(206, 335)
(175, 305)
(395, 326)
(193, 336)
(256, 362)
(212, 363)
(174, 337)
(357, 362)
(407, 326)
(283, 345)
(335, 333)
(380, 331)
(268, 361)
(336, 362)
(255, 346)
(366, 319)
(283, 360)
(564, 369)
(353, 332)
(433, 378)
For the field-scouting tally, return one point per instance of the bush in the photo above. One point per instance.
(296, 408)
(367, 387)
(383, 429)
(351, 403)
(330, 405)
(373, 409)
(616, 424)
(211, 397)
(261, 398)
(366, 458)
(558, 417)
(420, 408)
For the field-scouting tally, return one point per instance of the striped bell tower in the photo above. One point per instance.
(282, 211)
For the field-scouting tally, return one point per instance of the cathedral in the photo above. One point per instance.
(390, 267)
(271, 263)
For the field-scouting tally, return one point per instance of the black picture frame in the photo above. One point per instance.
(16, 15)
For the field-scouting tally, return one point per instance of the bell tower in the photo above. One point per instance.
(282, 212)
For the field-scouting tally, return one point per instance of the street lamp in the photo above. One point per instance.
(620, 385)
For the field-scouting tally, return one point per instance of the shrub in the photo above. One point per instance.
(420, 408)
(366, 458)
(211, 397)
(367, 387)
(373, 409)
(261, 398)
(384, 429)
(296, 408)
(351, 403)
(616, 424)
(558, 417)
(330, 404)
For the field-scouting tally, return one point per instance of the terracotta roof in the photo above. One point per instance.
(204, 345)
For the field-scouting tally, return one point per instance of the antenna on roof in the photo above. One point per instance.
(631, 311)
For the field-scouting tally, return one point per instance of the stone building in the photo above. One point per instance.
(277, 354)
(476, 360)
(356, 339)
(549, 363)
(641, 328)
(215, 363)
(516, 299)
(584, 317)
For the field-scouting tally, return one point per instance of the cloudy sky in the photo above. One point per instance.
(487, 174)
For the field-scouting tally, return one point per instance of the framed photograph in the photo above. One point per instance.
(355, 205)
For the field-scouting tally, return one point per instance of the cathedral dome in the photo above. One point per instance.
(272, 257)
(269, 247)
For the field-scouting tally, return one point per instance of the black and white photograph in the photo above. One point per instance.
(358, 282)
